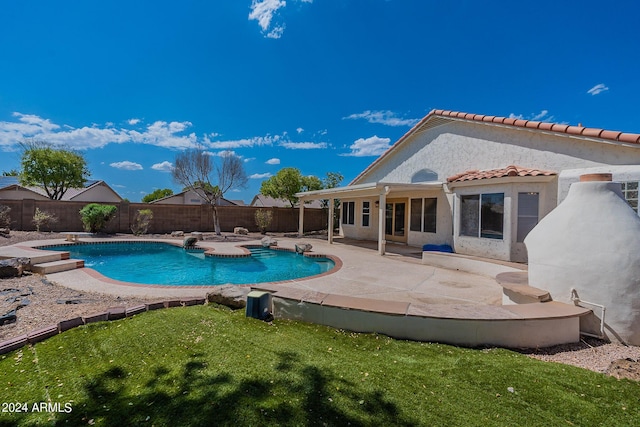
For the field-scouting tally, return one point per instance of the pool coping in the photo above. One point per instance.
(208, 252)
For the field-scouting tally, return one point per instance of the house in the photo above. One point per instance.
(190, 197)
(477, 183)
(262, 201)
(93, 191)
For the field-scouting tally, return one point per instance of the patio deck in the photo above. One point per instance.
(396, 294)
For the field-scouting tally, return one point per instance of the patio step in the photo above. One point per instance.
(57, 266)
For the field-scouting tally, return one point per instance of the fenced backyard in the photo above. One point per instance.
(166, 218)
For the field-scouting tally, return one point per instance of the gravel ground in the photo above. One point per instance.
(49, 303)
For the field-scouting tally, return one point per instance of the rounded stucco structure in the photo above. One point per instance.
(591, 244)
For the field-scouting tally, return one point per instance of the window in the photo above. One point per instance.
(348, 213)
(423, 215)
(366, 209)
(527, 214)
(482, 215)
(630, 193)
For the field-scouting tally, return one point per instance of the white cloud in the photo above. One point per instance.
(163, 167)
(172, 135)
(161, 134)
(133, 121)
(543, 115)
(260, 175)
(303, 145)
(372, 146)
(249, 159)
(257, 141)
(599, 88)
(299, 130)
(126, 165)
(387, 118)
(263, 12)
(273, 161)
(223, 153)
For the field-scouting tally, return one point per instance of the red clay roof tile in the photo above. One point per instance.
(592, 132)
(633, 138)
(511, 170)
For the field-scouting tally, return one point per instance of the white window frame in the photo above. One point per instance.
(479, 216)
(366, 213)
(348, 212)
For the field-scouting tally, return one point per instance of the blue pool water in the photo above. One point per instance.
(164, 264)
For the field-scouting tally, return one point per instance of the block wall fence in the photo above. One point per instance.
(166, 218)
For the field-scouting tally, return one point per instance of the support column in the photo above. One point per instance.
(330, 231)
(381, 222)
(301, 219)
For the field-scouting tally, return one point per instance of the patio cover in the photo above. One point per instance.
(374, 189)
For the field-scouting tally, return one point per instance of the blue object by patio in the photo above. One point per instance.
(438, 248)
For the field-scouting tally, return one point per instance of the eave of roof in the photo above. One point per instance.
(560, 129)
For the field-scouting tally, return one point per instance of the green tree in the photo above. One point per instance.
(12, 172)
(53, 169)
(159, 193)
(286, 183)
(195, 169)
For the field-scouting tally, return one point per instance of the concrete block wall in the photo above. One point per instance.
(166, 218)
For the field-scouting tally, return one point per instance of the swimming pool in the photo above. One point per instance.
(156, 263)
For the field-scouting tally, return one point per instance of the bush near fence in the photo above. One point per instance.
(166, 218)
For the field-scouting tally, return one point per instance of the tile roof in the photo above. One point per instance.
(613, 135)
(510, 170)
(607, 135)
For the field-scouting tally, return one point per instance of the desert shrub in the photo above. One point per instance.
(43, 219)
(263, 219)
(141, 222)
(5, 219)
(95, 217)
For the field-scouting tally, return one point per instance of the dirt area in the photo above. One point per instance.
(44, 303)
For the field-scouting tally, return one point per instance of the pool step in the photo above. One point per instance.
(57, 266)
(262, 253)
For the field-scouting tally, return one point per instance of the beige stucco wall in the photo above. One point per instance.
(457, 146)
(98, 193)
(460, 146)
(19, 194)
(508, 248)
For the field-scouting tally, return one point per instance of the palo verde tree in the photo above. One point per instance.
(286, 183)
(53, 169)
(196, 169)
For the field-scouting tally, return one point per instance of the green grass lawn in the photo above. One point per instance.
(210, 366)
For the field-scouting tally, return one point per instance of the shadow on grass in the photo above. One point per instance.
(199, 395)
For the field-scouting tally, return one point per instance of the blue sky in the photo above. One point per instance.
(322, 85)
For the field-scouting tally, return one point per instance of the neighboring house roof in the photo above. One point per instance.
(437, 117)
(7, 181)
(269, 202)
(70, 194)
(511, 170)
(179, 199)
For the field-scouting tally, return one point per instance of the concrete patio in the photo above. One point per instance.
(398, 294)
